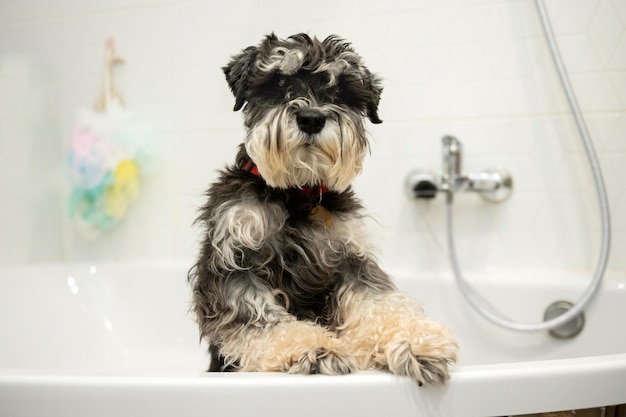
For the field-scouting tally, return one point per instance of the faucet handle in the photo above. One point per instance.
(493, 184)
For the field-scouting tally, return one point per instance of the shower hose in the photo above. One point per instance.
(478, 302)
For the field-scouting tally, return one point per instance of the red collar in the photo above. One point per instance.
(251, 167)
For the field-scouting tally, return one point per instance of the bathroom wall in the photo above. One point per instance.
(478, 69)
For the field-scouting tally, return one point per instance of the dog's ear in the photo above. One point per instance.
(237, 74)
(374, 84)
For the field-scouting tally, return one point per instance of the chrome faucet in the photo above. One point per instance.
(494, 185)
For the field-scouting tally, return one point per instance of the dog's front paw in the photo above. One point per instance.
(426, 358)
(298, 347)
(322, 360)
(405, 359)
(390, 331)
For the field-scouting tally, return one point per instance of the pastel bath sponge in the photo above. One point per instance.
(109, 151)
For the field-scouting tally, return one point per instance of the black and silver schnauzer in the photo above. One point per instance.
(285, 280)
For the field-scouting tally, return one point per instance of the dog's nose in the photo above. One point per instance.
(310, 121)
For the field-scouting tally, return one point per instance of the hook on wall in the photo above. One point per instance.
(109, 93)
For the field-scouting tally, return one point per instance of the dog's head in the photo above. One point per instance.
(305, 102)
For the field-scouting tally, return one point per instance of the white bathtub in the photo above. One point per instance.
(116, 340)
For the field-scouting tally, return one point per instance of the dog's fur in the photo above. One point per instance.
(285, 280)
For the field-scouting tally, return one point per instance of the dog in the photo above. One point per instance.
(285, 280)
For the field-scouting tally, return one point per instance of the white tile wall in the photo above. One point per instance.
(478, 69)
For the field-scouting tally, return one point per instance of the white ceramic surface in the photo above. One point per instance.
(477, 69)
(117, 340)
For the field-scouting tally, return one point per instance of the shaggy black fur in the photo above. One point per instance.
(288, 262)
(291, 261)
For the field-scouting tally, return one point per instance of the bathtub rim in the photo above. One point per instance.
(521, 388)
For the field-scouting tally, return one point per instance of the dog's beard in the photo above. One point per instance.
(287, 157)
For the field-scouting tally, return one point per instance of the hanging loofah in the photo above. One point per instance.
(110, 149)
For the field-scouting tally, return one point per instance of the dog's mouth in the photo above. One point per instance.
(302, 143)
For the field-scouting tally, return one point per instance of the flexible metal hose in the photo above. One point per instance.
(481, 305)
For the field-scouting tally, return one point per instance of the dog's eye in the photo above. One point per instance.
(324, 79)
(347, 93)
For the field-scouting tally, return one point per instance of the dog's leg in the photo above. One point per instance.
(240, 314)
(387, 330)
(296, 347)
(256, 333)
